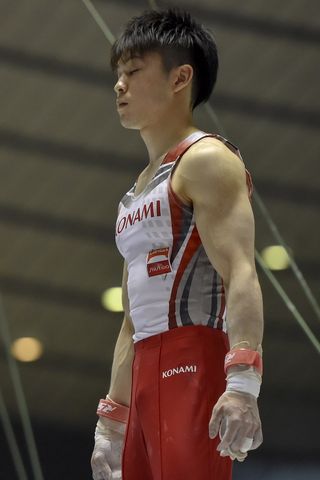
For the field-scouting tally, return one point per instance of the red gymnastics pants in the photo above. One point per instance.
(177, 379)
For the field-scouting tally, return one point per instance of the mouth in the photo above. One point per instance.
(121, 104)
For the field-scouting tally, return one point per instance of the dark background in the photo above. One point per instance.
(65, 163)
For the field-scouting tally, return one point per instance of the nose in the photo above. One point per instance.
(120, 86)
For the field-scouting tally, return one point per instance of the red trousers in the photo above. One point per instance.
(177, 379)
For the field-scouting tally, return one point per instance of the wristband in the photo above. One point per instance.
(243, 356)
(110, 409)
(248, 381)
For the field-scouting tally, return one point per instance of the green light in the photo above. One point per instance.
(112, 299)
(275, 257)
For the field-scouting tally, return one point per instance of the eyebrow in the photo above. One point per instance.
(134, 57)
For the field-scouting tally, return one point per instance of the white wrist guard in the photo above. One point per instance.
(246, 381)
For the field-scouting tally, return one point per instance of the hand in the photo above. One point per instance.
(107, 453)
(236, 416)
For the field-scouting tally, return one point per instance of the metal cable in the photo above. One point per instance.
(99, 21)
(11, 439)
(289, 304)
(215, 119)
(293, 264)
(21, 400)
(274, 229)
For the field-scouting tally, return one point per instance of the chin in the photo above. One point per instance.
(126, 123)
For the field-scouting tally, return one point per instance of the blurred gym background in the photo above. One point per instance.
(65, 163)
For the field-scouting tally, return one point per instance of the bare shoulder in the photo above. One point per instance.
(209, 162)
(211, 156)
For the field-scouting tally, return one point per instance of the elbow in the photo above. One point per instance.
(242, 276)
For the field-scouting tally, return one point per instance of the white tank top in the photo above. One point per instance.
(171, 282)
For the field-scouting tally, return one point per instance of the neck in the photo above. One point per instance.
(160, 138)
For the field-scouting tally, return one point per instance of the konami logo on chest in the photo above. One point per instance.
(148, 210)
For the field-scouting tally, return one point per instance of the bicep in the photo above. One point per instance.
(227, 234)
(222, 209)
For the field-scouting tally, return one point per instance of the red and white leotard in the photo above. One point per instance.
(171, 282)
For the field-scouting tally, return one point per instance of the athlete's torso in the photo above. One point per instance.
(171, 282)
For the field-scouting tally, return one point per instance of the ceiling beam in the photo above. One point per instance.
(290, 30)
(55, 224)
(79, 73)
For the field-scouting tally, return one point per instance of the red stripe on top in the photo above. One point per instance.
(177, 220)
(249, 183)
(183, 146)
(177, 152)
(175, 155)
(191, 247)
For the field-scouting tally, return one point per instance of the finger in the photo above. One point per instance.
(214, 423)
(117, 475)
(226, 453)
(240, 456)
(100, 469)
(102, 475)
(240, 441)
(257, 438)
(232, 426)
(246, 444)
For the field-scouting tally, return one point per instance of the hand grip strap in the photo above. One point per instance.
(243, 356)
(110, 409)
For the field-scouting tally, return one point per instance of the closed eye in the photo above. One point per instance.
(134, 71)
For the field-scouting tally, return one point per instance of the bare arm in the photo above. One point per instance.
(120, 385)
(109, 433)
(214, 180)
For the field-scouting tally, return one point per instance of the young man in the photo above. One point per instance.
(186, 232)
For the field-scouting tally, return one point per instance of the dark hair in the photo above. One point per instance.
(179, 39)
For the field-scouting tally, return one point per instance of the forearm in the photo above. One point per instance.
(121, 374)
(244, 308)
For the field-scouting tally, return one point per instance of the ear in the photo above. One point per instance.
(182, 77)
